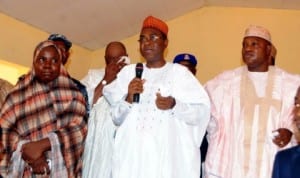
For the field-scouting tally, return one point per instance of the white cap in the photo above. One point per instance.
(258, 31)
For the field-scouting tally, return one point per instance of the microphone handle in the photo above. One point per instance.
(136, 98)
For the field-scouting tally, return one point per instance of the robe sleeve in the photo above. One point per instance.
(116, 92)
(91, 80)
(192, 102)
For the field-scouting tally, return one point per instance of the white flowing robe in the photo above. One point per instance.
(154, 143)
(90, 81)
(227, 154)
(98, 150)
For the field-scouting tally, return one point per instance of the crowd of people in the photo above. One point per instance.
(152, 119)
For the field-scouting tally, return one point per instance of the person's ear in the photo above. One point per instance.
(269, 48)
(195, 71)
(166, 42)
(68, 54)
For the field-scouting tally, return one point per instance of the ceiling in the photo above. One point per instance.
(93, 23)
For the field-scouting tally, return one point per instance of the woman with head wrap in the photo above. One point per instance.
(42, 121)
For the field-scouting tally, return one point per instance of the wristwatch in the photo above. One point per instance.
(104, 82)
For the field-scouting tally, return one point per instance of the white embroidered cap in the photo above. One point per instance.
(258, 31)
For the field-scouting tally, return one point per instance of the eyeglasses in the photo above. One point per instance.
(152, 38)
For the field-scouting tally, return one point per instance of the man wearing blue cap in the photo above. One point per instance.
(190, 61)
(64, 45)
(187, 60)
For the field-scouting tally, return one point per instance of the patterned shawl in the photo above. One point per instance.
(33, 110)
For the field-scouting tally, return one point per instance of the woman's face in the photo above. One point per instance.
(47, 64)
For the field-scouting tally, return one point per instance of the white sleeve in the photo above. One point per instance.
(91, 80)
(192, 102)
(116, 92)
(120, 112)
(192, 113)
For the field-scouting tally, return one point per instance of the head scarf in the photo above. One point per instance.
(43, 45)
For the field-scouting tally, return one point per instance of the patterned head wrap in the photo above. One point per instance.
(43, 45)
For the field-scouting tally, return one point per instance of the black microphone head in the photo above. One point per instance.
(139, 70)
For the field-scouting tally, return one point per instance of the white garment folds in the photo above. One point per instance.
(98, 149)
(154, 143)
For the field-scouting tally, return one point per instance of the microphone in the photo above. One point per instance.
(138, 73)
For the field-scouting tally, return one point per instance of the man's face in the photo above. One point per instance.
(296, 111)
(256, 52)
(64, 51)
(152, 44)
(47, 64)
(189, 66)
(114, 53)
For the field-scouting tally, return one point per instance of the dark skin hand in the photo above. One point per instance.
(40, 166)
(33, 154)
(164, 103)
(111, 71)
(283, 138)
(135, 86)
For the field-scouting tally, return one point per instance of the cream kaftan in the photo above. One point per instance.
(240, 130)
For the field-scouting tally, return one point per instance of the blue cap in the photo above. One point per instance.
(59, 37)
(185, 57)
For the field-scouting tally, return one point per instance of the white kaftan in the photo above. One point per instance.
(91, 80)
(97, 156)
(154, 143)
(243, 118)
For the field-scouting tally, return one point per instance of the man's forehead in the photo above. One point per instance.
(185, 62)
(150, 31)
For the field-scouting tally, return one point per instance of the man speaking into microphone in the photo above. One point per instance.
(162, 112)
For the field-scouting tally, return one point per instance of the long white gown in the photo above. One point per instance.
(154, 143)
(97, 156)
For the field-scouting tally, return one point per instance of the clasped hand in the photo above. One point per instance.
(33, 155)
(162, 102)
(283, 137)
